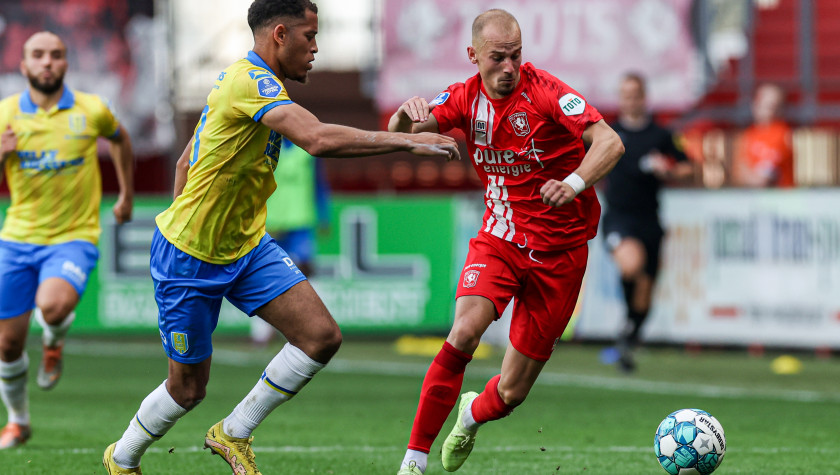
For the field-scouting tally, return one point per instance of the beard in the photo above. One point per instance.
(46, 87)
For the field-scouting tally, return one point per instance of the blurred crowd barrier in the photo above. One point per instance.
(714, 150)
(739, 267)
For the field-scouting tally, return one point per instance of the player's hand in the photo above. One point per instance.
(415, 110)
(8, 142)
(122, 209)
(431, 144)
(556, 193)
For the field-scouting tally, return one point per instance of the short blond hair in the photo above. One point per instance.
(496, 15)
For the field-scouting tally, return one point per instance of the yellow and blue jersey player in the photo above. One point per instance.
(49, 236)
(211, 243)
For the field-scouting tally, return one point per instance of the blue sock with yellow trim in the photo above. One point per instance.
(157, 414)
(284, 376)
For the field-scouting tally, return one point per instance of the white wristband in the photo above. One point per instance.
(576, 182)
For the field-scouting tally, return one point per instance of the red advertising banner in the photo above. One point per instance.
(589, 44)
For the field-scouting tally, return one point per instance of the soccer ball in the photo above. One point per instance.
(689, 441)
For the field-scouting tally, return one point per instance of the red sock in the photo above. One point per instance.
(438, 396)
(489, 405)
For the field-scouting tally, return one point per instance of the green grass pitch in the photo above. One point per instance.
(354, 417)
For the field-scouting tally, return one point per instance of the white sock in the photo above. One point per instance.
(419, 458)
(468, 421)
(157, 414)
(54, 334)
(13, 389)
(284, 376)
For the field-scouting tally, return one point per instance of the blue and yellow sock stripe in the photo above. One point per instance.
(151, 434)
(277, 387)
(14, 377)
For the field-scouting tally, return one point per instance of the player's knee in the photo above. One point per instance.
(630, 258)
(10, 350)
(464, 338)
(322, 345)
(188, 396)
(56, 310)
(513, 396)
(331, 342)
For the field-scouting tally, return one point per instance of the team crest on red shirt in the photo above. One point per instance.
(471, 278)
(519, 121)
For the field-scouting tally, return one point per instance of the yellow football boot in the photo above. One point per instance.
(112, 467)
(460, 441)
(410, 469)
(236, 452)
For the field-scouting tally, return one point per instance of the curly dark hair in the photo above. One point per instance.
(262, 13)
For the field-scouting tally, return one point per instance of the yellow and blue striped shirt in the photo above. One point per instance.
(220, 215)
(53, 177)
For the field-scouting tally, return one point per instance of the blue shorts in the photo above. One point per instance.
(189, 292)
(24, 266)
(298, 243)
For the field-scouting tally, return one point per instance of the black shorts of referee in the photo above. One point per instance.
(616, 226)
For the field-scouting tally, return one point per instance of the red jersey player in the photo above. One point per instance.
(525, 132)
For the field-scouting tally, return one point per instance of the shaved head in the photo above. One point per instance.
(504, 22)
(497, 51)
(43, 38)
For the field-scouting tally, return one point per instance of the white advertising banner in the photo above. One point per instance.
(738, 267)
(589, 44)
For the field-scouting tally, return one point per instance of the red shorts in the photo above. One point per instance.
(545, 284)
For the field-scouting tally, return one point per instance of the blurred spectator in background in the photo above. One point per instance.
(48, 242)
(296, 210)
(764, 153)
(631, 224)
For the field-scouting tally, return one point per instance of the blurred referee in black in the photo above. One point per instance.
(631, 225)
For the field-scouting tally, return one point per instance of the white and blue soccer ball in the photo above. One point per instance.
(689, 441)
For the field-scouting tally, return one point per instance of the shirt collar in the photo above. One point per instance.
(255, 59)
(65, 102)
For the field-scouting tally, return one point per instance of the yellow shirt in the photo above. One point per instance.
(54, 175)
(220, 216)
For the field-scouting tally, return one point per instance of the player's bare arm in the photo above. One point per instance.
(338, 141)
(181, 169)
(605, 148)
(414, 116)
(8, 144)
(123, 158)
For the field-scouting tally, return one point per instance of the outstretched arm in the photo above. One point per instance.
(123, 158)
(605, 148)
(337, 141)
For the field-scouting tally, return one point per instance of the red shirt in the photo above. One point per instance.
(516, 145)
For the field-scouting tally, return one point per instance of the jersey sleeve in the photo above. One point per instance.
(448, 111)
(105, 121)
(569, 109)
(256, 91)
